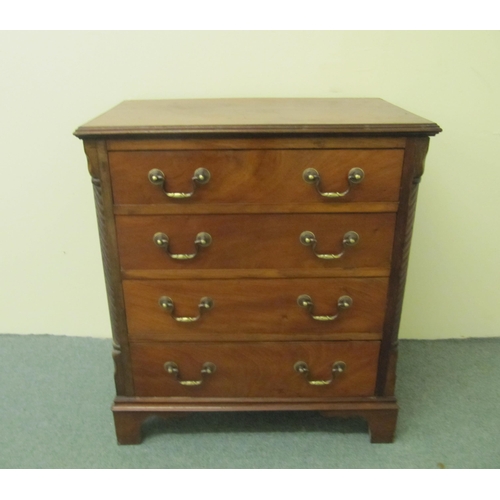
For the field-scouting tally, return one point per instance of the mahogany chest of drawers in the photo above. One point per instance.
(255, 253)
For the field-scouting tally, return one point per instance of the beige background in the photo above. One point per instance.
(52, 82)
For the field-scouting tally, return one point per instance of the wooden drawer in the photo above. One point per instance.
(254, 306)
(256, 241)
(255, 176)
(255, 369)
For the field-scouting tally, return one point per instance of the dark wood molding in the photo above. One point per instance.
(175, 274)
(256, 116)
(274, 141)
(98, 168)
(156, 403)
(380, 415)
(160, 131)
(248, 208)
(413, 169)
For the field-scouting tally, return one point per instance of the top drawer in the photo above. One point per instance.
(256, 176)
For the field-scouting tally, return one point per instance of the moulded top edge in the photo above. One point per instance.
(256, 116)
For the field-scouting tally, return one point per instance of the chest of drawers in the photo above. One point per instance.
(255, 253)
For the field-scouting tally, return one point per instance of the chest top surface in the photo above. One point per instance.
(262, 115)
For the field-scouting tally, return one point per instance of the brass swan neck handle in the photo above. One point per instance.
(311, 176)
(166, 303)
(337, 368)
(207, 369)
(305, 301)
(157, 177)
(350, 239)
(202, 240)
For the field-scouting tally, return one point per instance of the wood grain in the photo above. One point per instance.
(256, 176)
(255, 241)
(257, 370)
(98, 168)
(204, 336)
(180, 403)
(221, 274)
(380, 414)
(254, 208)
(413, 170)
(299, 116)
(255, 306)
(260, 142)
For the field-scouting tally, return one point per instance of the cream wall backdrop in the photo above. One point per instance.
(52, 82)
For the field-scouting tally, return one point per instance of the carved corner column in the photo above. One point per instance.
(413, 169)
(99, 170)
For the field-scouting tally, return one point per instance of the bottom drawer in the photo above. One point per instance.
(255, 369)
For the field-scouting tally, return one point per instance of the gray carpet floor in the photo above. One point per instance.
(56, 392)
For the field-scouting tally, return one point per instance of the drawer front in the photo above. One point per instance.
(256, 241)
(255, 176)
(253, 369)
(255, 306)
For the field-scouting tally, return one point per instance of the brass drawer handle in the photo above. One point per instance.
(308, 239)
(167, 303)
(200, 176)
(337, 368)
(344, 302)
(202, 240)
(311, 175)
(207, 369)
